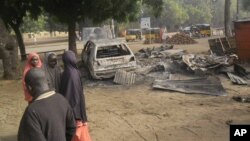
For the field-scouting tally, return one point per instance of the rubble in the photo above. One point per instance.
(243, 99)
(206, 62)
(180, 38)
(176, 70)
(237, 74)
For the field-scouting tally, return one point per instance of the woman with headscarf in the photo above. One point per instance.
(32, 62)
(52, 70)
(72, 89)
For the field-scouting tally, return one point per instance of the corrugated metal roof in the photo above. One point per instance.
(124, 78)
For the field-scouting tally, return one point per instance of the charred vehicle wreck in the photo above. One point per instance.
(102, 58)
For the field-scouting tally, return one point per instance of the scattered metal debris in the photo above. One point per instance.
(124, 78)
(236, 73)
(222, 46)
(175, 70)
(239, 70)
(181, 77)
(245, 99)
(209, 86)
(155, 52)
(205, 62)
(236, 79)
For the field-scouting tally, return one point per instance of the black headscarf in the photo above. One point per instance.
(71, 86)
(53, 75)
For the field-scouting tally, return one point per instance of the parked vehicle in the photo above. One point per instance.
(204, 29)
(102, 58)
(186, 30)
(198, 30)
(133, 34)
(153, 35)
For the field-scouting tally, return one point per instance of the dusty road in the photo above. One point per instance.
(139, 113)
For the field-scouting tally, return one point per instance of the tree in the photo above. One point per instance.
(12, 13)
(156, 5)
(246, 5)
(8, 53)
(182, 12)
(68, 12)
(227, 18)
(71, 12)
(31, 25)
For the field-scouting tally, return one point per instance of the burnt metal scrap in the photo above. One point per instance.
(169, 68)
(158, 52)
(206, 62)
(124, 78)
(209, 86)
(236, 79)
(222, 46)
(241, 71)
(236, 73)
(243, 99)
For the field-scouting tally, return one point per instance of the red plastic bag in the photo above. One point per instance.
(82, 132)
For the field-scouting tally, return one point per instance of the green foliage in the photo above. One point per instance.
(120, 10)
(65, 10)
(13, 11)
(31, 25)
(218, 13)
(98, 10)
(186, 12)
(246, 5)
(155, 5)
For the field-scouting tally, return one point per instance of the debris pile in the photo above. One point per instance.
(206, 62)
(180, 38)
(177, 70)
(243, 99)
(165, 51)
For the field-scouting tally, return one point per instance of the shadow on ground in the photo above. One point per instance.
(9, 138)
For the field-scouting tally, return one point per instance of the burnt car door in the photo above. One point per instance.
(86, 53)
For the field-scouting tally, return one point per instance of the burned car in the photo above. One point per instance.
(102, 58)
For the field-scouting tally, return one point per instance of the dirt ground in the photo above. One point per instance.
(139, 113)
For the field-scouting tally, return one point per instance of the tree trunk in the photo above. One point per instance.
(8, 53)
(19, 38)
(10, 63)
(72, 36)
(227, 19)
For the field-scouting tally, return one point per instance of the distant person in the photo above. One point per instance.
(49, 116)
(72, 89)
(52, 70)
(33, 61)
(34, 38)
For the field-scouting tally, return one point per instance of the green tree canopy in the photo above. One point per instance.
(246, 5)
(32, 25)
